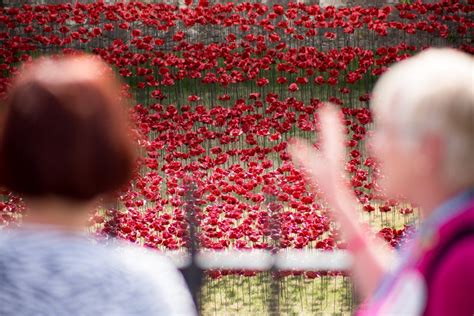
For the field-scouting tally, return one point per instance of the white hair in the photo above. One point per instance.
(433, 92)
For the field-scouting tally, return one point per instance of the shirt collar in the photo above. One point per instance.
(443, 213)
(446, 211)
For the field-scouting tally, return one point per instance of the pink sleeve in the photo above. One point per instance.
(452, 290)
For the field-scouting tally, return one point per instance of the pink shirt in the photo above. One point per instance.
(436, 276)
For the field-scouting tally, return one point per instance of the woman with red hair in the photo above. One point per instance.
(65, 145)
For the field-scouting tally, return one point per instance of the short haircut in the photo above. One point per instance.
(64, 130)
(433, 92)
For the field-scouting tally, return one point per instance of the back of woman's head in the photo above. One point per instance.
(64, 130)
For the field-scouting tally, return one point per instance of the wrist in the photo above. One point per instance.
(356, 243)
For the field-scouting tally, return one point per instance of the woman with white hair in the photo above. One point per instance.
(424, 142)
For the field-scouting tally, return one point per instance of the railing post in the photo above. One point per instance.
(193, 274)
(274, 227)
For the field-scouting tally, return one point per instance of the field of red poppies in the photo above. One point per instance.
(216, 91)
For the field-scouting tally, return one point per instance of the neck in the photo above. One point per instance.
(60, 213)
(433, 197)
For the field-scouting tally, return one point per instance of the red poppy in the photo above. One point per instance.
(233, 145)
(293, 87)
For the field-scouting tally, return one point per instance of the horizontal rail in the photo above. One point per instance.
(262, 260)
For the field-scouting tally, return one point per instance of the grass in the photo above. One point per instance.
(240, 295)
(299, 295)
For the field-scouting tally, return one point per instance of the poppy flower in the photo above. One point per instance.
(293, 87)
(282, 80)
(278, 9)
(124, 26)
(262, 82)
(157, 94)
(330, 35)
(136, 32)
(319, 80)
(178, 36)
(237, 152)
(193, 98)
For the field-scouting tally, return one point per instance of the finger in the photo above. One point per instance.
(321, 176)
(308, 159)
(332, 131)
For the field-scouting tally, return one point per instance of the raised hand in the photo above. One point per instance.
(325, 167)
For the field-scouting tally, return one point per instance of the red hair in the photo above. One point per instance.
(65, 131)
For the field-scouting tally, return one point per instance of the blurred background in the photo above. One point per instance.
(216, 89)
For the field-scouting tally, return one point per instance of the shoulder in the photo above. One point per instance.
(452, 285)
(156, 276)
(458, 261)
(453, 251)
(149, 279)
(82, 276)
